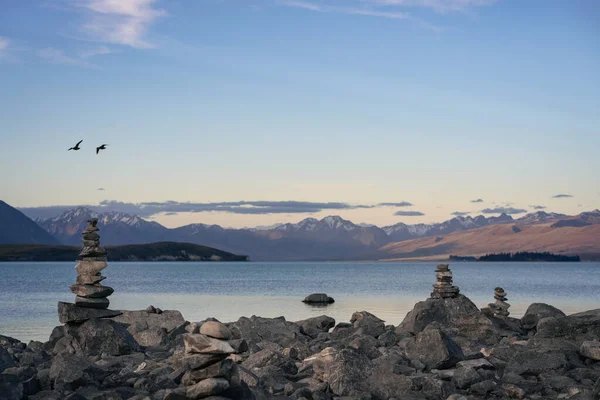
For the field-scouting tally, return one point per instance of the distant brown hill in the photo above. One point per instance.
(573, 240)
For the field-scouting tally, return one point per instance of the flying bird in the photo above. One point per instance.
(103, 147)
(76, 147)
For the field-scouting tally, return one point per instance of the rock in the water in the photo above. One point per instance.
(434, 349)
(215, 330)
(91, 303)
(536, 311)
(320, 298)
(315, 325)
(591, 349)
(69, 312)
(202, 344)
(97, 336)
(92, 291)
(207, 387)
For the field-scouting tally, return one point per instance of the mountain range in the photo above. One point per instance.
(576, 235)
(331, 238)
(16, 228)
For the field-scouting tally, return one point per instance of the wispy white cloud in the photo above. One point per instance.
(4, 43)
(301, 4)
(96, 51)
(437, 5)
(124, 22)
(374, 13)
(357, 8)
(56, 56)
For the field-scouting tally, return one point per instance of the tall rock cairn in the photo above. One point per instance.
(91, 297)
(500, 306)
(443, 288)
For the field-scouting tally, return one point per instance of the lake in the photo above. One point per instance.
(29, 291)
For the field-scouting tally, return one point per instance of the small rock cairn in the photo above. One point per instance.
(500, 307)
(91, 297)
(209, 371)
(443, 288)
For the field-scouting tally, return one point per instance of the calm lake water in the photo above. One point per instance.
(29, 291)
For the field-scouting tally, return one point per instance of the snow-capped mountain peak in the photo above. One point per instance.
(541, 216)
(335, 222)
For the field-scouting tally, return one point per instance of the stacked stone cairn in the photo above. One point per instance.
(443, 288)
(208, 370)
(500, 307)
(91, 297)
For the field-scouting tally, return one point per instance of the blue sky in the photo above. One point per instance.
(432, 102)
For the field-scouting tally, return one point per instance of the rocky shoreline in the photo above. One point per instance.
(446, 348)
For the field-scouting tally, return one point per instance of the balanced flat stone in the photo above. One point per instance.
(89, 267)
(202, 344)
(91, 303)
(215, 330)
(89, 279)
(93, 251)
(198, 361)
(92, 291)
(69, 312)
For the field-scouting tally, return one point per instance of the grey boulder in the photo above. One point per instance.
(591, 349)
(315, 325)
(69, 312)
(576, 328)
(97, 336)
(434, 349)
(207, 387)
(367, 323)
(536, 311)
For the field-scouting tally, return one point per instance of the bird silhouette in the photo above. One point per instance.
(103, 147)
(76, 147)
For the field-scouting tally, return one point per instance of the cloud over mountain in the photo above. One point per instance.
(561, 196)
(460, 213)
(147, 209)
(477, 201)
(506, 210)
(537, 207)
(409, 213)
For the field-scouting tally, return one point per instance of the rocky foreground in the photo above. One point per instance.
(446, 348)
